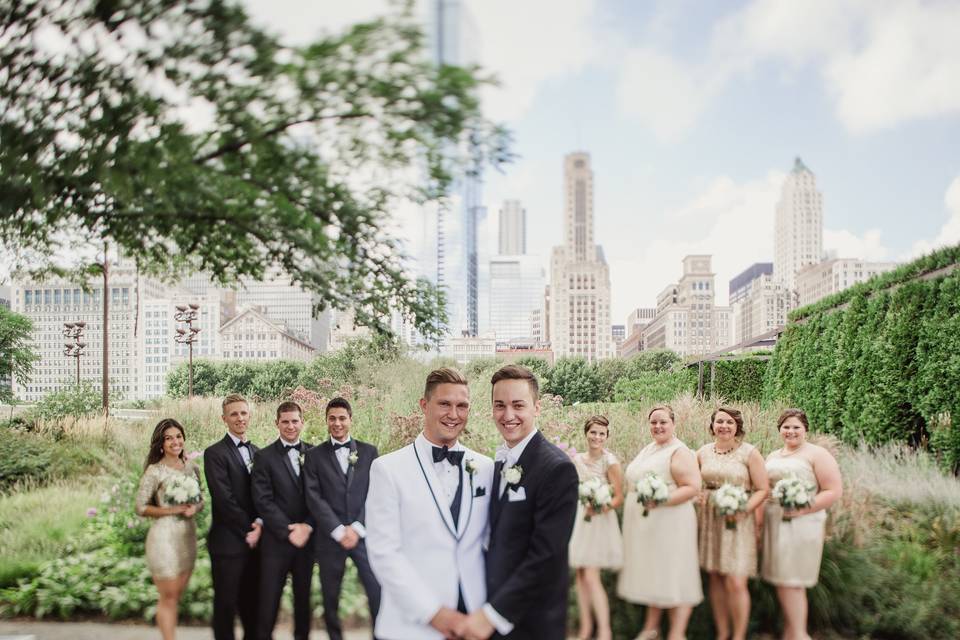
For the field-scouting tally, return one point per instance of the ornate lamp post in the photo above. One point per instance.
(187, 313)
(74, 349)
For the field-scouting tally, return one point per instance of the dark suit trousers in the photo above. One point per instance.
(236, 586)
(275, 565)
(332, 559)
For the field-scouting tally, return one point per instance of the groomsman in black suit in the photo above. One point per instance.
(286, 547)
(532, 511)
(234, 527)
(337, 475)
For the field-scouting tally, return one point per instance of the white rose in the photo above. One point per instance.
(513, 474)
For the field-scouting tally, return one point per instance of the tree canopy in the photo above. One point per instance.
(192, 139)
(16, 354)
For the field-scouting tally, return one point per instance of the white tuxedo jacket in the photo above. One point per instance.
(418, 554)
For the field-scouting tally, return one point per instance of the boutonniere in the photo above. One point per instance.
(353, 458)
(513, 474)
(249, 466)
(470, 466)
(300, 459)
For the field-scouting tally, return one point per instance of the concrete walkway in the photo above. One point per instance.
(41, 630)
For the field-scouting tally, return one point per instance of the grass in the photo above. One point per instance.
(39, 524)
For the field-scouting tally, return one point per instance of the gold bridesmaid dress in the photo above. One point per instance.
(172, 540)
(791, 550)
(728, 551)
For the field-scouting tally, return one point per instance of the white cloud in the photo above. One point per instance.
(846, 244)
(882, 63)
(950, 232)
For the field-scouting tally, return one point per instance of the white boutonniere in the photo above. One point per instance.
(300, 459)
(470, 466)
(250, 466)
(512, 475)
(353, 458)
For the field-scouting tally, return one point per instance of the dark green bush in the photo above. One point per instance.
(654, 386)
(575, 380)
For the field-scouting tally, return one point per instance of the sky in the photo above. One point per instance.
(693, 113)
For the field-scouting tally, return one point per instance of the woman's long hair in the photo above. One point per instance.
(155, 454)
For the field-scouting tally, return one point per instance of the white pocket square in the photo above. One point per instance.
(516, 495)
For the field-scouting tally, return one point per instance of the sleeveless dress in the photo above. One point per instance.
(172, 540)
(791, 550)
(659, 550)
(727, 551)
(597, 543)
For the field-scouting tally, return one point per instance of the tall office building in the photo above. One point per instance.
(833, 276)
(798, 226)
(454, 39)
(513, 229)
(516, 291)
(687, 320)
(55, 301)
(579, 275)
(760, 304)
(287, 302)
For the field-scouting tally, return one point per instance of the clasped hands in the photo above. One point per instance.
(299, 534)
(460, 626)
(350, 538)
(253, 536)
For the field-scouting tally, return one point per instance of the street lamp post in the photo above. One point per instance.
(187, 313)
(74, 349)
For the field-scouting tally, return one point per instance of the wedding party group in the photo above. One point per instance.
(449, 543)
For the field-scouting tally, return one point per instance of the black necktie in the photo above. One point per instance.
(444, 453)
(243, 444)
(287, 447)
(338, 445)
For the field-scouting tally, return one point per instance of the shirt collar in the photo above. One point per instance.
(335, 441)
(511, 455)
(284, 442)
(234, 438)
(426, 447)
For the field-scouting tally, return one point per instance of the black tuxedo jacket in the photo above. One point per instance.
(232, 509)
(279, 494)
(527, 570)
(334, 497)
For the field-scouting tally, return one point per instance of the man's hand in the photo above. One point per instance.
(447, 621)
(476, 627)
(350, 538)
(253, 536)
(299, 534)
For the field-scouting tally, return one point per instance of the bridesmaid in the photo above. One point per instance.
(172, 539)
(596, 544)
(660, 550)
(792, 550)
(729, 556)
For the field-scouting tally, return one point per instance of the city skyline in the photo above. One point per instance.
(694, 114)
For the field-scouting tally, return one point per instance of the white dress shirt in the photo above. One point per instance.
(244, 451)
(447, 473)
(294, 455)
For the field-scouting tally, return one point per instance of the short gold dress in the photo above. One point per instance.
(728, 551)
(597, 543)
(172, 540)
(791, 550)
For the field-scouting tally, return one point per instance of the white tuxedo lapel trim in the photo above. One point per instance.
(433, 483)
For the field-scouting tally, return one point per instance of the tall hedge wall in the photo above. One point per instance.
(885, 367)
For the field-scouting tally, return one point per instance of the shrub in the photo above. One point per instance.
(653, 386)
(76, 401)
(575, 380)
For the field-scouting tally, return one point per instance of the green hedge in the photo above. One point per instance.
(886, 367)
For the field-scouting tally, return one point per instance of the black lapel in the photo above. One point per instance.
(350, 467)
(434, 496)
(228, 442)
(495, 493)
(332, 457)
(285, 458)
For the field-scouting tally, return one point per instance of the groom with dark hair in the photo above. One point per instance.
(532, 511)
(337, 475)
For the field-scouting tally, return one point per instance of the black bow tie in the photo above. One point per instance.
(287, 447)
(243, 444)
(339, 445)
(444, 453)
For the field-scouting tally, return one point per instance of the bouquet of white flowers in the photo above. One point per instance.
(793, 493)
(729, 500)
(651, 488)
(595, 493)
(181, 489)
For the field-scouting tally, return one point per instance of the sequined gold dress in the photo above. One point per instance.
(596, 543)
(723, 550)
(172, 540)
(791, 550)
(659, 550)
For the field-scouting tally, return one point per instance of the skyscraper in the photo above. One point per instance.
(759, 303)
(579, 275)
(513, 229)
(798, 226)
